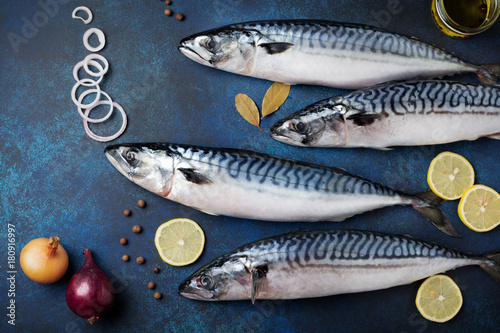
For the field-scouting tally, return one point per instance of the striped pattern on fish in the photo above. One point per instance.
(396, 114)
(321, 263)
(251, 185)
(343, 55)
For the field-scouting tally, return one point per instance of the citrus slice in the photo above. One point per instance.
(479, 208)
(179, 241)
(450, 175)
(439, 299)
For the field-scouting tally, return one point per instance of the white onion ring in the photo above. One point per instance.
(91, 63)
(105, 138)
(95, 56)
(100, 35)
(97, 98)
(92, 120)
(86, 10)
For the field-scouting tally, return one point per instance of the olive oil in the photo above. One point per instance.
(463, 18)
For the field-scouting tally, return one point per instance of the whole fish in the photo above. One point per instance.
(396, 114)
(251, 185)
(325, 53)
(322, 263)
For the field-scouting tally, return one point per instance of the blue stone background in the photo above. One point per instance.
(56, 181)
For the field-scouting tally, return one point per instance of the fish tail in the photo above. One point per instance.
(489, 74)
(427, 207)
(493, 269)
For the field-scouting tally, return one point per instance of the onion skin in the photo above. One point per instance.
(44, 260)
(90, 294)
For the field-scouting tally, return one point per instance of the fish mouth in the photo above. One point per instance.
(187, 290)
(193, 55)
(278, 133)
(113, 154)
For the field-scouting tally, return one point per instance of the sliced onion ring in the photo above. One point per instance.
(92, 56)
(105, 138)
(97, 97)
(91, 63)
(92, 120)
(100, 35)
(86, 10)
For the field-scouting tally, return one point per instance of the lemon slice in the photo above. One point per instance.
(439, 299)
(450, 175)
(479, 208)
(179, 241)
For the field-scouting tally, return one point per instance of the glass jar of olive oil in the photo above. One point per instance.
(464, 18)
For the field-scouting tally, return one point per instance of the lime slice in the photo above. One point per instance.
(479, 208)
(439, 299)
(179, 241)
(450, 175)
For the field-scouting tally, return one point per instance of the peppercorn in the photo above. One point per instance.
(179, 16)
(140, 260)
(151, 285)
(168, 2)
(156, 270)
(127, 212)
(141, 203)
(125, 257)
(123, 241)
(136, 228)
(168, 12)
(157, 295)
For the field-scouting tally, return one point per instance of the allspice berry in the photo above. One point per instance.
(141, 203)
(168, 12)
(151, 285)
(127, 212)
(123, 241)
(136, 228)
(125, 257)
(168, 2)
(156, 270)
(179, 16)
(140, 260)
(157, 295)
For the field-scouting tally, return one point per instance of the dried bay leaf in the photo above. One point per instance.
(247, 109)
(274, 98)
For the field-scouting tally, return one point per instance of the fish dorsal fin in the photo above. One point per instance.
(258, 279)
(193, 176)
(364, 119)
(276, 48)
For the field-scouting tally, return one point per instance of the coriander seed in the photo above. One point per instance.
(168, 12)
(125, 257)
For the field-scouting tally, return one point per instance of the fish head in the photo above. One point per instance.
(318, 125)
(223, 279)
(150, 166)
(230, 49)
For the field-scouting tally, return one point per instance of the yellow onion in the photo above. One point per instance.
(44, 260)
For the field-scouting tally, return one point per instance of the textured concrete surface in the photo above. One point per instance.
(56, 181)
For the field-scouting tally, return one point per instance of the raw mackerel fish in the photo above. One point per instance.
(322, 263)
(256, 186)
(324, 53)
(396, 114)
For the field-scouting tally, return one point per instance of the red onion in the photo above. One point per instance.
(89, 294)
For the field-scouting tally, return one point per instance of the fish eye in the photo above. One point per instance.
(211, 44)
(207, 281)
(299, 127)
(131, 156)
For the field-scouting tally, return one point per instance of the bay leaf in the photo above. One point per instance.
(274, 98)
(247, 109)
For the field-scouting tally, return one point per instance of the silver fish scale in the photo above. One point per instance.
(344, 36)
(261, 168)
(327, 247)
(423, 97)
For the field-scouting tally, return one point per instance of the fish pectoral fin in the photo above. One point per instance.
(495, 136)
(191, 175)
(276, 48)
(258, 279)
(364, 119)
